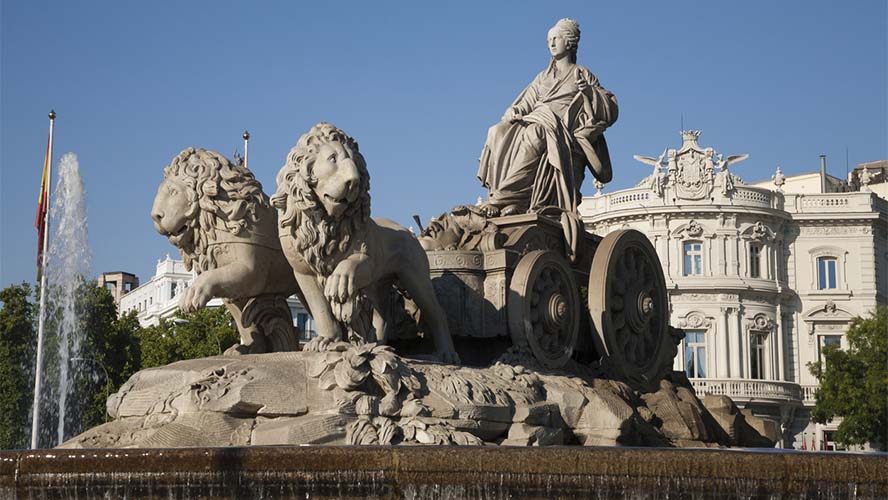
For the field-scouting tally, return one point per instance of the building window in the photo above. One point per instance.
(693, 258)
(695, 353)
(755, 260)
(172, 289)
(826, 341)
(826, 273)
(757, 355)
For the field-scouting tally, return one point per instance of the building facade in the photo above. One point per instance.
(760, 276)
(119, 283)
(159, 297)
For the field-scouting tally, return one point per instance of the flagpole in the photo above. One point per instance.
(246, 146)
(38, 372)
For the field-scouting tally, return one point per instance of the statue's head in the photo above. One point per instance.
(323, 194)
(202, 192)
(569, 32)
(327, 168)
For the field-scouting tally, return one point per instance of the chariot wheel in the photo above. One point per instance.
(630, 309)
(544, 307)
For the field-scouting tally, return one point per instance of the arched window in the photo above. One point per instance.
(693, 258)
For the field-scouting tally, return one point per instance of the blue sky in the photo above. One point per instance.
(417, 84)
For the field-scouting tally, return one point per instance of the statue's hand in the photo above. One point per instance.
(581, 84)
(512, 115)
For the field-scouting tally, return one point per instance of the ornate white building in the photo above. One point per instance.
(159, 297)
(761, 276)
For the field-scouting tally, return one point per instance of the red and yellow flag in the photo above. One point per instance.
(42, 202)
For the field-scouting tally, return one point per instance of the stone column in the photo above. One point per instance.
(778, 331)
(735, 353)
(733, 261)
(721, 345)
(669, 268)
(744, 348)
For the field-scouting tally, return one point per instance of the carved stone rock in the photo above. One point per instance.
(365, 394)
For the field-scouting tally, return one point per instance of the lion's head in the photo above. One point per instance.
(202, 192)
(323, 195)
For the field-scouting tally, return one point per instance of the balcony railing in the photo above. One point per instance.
(809, 391)
(750, 390)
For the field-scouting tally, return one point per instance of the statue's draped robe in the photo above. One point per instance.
(540, 160)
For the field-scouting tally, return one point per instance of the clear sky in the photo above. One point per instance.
(417, 84)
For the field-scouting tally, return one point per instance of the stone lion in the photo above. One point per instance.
(215, 213)
(345, 262)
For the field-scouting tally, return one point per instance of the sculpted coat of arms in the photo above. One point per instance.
(691, 168)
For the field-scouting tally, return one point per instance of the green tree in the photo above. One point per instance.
(854, 383)
(206, 332)
(17, 350)
(110, 351)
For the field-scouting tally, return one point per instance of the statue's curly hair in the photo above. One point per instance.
(222, 194)
(321, 240)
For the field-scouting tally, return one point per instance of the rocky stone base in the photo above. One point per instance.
(365, 395)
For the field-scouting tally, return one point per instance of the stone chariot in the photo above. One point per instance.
(604, 302)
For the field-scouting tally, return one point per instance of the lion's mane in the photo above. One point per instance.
(322, 240)
(224, 196)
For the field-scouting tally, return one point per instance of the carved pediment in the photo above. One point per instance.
(692, 229)
(761, 323)
(695, 320)
(825, 315)
(757, 232)
(827, 311)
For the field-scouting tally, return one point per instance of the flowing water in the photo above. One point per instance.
(67, 268)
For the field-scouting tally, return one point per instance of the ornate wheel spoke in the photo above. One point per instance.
(629, 308)
(544, 307)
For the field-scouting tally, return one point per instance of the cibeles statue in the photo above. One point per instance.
(536, 156)
(605, 379)
(348, 265)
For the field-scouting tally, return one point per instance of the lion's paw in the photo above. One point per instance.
(320, 344)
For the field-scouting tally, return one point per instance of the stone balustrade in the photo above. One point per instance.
(749, 390)
(754, 197)
(808, 392)
(830, 202)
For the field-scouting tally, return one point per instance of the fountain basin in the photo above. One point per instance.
(439, 472)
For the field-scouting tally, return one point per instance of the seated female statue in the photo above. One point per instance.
(537, 155)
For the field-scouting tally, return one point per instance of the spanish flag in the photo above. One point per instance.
(42, 204)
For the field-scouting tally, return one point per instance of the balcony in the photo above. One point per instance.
(747, 390)
(809, 391)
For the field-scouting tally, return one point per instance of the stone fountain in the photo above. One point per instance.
(523, 348)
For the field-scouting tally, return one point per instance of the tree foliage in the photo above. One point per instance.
(206, 332)
(110, 351)
(854, 383)
(17, 350)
